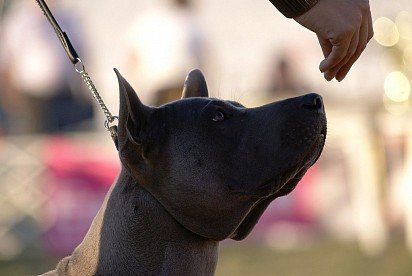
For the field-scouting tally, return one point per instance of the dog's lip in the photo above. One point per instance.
(303, 165)
(288, 179)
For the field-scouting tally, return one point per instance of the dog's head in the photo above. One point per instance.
(215, 165)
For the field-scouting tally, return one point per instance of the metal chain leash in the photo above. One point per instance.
(109, 123)
(110, 119)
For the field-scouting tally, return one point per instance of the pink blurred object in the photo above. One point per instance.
(78, 177)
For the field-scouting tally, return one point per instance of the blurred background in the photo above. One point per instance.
(350, 215)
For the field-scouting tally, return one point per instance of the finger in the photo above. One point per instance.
(325, 45)
(340, 46)
(364, 37)
(353, 46)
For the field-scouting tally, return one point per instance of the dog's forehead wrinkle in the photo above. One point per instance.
(184, 106)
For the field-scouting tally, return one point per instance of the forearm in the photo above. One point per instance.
(293, 8)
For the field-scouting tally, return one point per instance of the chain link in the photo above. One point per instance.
(90, 85)
(109, 122)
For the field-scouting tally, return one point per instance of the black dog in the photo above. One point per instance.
(194, 172)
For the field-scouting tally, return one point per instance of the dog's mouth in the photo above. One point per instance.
(296, 172)
(281, 185)
(286, 181)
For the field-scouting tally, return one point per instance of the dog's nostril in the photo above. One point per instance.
(312, 102)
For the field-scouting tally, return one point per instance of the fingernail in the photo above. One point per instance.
(328, 76)
(340, 77)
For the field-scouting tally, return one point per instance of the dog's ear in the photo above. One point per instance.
(195, 85)
(133, 115)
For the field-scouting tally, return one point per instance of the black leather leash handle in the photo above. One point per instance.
(64, 39)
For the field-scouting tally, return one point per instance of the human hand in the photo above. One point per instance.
(344, 28)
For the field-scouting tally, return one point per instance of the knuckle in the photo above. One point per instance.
(349, 30)
(344, 34)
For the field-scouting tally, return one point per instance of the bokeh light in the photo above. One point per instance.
(397, 87)
(386, 32)
(404, 25)
(395, 108)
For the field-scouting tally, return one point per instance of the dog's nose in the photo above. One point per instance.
(313, 102)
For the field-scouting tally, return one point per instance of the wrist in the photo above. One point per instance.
(293, 8)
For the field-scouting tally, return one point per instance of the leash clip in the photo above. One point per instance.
(111, 126)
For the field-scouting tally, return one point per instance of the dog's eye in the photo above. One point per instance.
(219, 117)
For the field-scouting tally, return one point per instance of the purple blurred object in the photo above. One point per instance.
(78, 177)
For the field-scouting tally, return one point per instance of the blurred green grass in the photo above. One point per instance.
(322, 258)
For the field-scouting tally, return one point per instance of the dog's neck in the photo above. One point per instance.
(133, 234)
